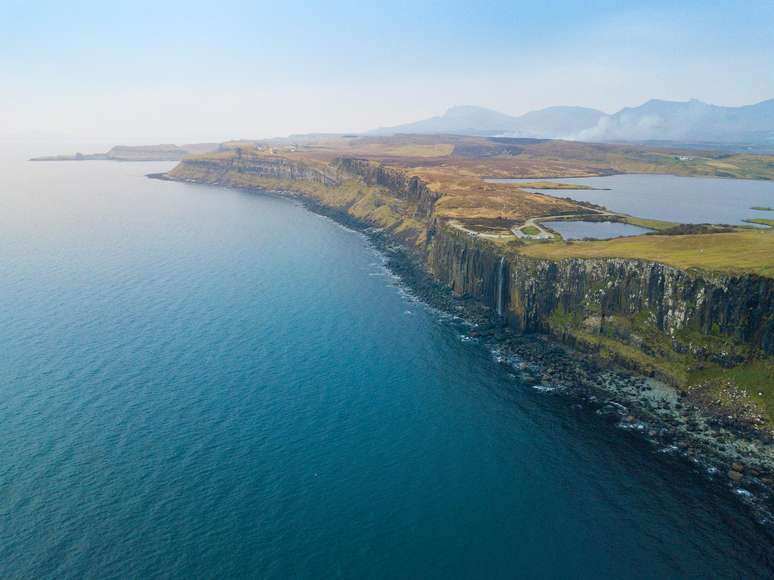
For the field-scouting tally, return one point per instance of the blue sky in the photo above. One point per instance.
(217, 70)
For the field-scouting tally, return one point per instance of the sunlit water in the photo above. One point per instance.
(197, 382)
(689, 200)
(578, 230)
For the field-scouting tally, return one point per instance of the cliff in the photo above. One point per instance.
(598, 290)
(224, 168)
(395, 181)
(692, 328)
(377, 198)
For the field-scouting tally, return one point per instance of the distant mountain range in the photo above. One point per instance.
(689, 122)
(469, 120)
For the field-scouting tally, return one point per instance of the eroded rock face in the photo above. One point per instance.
(470, 268)
(272, 168)
(406, 187)
(596, 289)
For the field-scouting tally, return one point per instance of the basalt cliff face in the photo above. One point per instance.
(395, 181)
(217, 169)
(716, 317)
(682, 326)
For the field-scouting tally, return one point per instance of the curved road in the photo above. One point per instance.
(534, 222)
(544, 233)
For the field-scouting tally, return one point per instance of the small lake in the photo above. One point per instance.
(578, 230)
(667, 197)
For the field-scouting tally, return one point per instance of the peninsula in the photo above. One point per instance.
(136, 153)
(691, 306)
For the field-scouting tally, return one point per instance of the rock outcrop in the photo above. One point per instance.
(675, 302)
(216, 169)
(402, 186)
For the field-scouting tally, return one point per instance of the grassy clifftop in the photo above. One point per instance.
(455, 171)
(738, 252)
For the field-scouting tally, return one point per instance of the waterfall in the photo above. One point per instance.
(500, 287)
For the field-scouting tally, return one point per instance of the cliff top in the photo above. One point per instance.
(456, 169)
(742, 251)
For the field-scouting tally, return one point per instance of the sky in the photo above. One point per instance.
(209, 71)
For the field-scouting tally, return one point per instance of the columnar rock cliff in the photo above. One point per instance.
(396, 182)
(216, 168)
(598, 293)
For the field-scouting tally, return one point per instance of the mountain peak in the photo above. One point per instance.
(552, 122)
(654, 120)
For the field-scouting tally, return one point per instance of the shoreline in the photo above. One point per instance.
(652, 410)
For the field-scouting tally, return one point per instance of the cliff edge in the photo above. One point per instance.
(707, 332)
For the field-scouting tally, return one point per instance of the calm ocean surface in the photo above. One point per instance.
(197, 382)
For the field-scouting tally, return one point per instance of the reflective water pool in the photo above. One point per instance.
(667, 197)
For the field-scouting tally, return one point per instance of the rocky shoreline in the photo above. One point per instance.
(724, 451)
(665, 417)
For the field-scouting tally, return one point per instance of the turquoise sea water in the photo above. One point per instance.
(197, 382)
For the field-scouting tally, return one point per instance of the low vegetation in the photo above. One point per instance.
(734, 252)
(753, 378)
(761, 221)
(530, 230)
(636, 340)
(553, 185)
(648, 223)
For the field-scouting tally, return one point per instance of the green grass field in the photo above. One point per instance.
(754, 377)
(761, 221)
(648, 223)
(530, 230)
(733, 253)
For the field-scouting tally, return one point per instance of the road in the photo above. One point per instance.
(532, 222)
(544, 233)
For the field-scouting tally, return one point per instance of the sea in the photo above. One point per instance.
(198, 382)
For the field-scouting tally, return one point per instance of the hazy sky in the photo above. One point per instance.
(190, 70)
